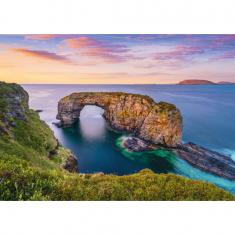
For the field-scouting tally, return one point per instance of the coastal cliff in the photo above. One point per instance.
(23, 133)
(13, 105)
(159, 123)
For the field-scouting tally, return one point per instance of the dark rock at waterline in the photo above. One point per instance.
(71, 164)
(58, 124)
(199, 157)
(38, 110)
(134, 144)
(207, 160)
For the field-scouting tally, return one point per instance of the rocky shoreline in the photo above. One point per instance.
(199, 157)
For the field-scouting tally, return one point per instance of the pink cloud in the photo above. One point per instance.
(42, 54)
(40, 36)
(90, 47)
(81, 42)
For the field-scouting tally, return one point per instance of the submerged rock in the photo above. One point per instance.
(134, 144)
(159, 123)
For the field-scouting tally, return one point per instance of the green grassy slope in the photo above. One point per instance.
(20, 181)
(23, 134)
(31, 160)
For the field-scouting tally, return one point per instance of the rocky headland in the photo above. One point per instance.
(207, 160)
(202, 158)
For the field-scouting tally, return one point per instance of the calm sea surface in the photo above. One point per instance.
(208, 117)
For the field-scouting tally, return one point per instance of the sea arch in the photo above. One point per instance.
(159, 123)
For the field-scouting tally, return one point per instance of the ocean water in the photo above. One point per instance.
(208, 120)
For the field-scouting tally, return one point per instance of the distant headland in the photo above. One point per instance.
(202, 82)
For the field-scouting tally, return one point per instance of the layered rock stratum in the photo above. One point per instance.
(159, 123)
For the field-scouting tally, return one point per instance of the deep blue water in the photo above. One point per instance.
(208, 117)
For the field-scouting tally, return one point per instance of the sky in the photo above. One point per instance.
(116, 59)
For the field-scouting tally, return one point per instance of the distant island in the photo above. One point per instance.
(202, 82)
(196, 82)
(225, 83)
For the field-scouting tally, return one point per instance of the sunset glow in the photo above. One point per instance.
(116, 59)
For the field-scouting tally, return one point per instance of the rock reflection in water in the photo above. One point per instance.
(92, 124)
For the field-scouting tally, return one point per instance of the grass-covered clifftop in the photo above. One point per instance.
(32, 165)
(24, 135)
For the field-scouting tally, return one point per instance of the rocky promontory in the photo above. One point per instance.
(202, 158)
(207, 160)
(158, 123)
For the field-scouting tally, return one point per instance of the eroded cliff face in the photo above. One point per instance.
(13, 105)
(29, 137)
(159, 123)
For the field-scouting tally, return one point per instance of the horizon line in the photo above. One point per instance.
(98, 83)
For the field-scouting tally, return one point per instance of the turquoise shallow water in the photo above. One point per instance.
(208, 115)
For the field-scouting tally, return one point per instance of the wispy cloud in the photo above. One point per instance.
(225, 55)
(90, 47)
(178, 56)
(42, 54)
(179, 52)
